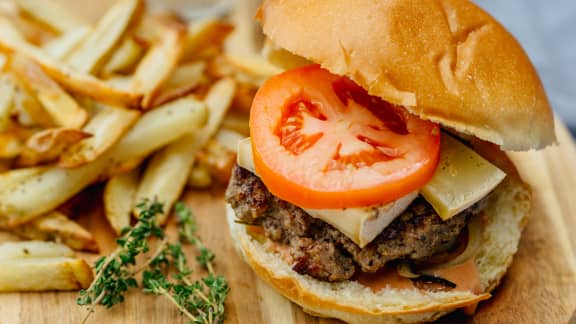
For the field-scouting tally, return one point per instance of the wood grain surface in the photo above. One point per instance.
(539, 288)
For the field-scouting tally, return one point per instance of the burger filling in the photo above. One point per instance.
(343, 183)
(316, 248)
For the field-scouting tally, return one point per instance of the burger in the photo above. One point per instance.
(374, 186)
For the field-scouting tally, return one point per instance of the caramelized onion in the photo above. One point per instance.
(472, 246)
(424, 281)
(433, 283)
(404, 270)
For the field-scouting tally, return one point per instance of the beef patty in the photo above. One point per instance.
(318, 249)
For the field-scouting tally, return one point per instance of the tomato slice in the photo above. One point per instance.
(321, 141)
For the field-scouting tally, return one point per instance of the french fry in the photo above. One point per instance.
(218, 160)
(55, 139)
(44, 274)
(243, 97)
(108, 31)
(228, 139)
(33, 249)
(10, 145)
(218, 100)
(33, 32)
(11, 32)
(220, 67)
(55, 226)
(124, 58)
(106, 128)
(187, 74)
(199, 177)
(123, 82)
(166, 174)
(215, 157)
(36, 196)
(123, 167)
(245, 38)
(3, 61)
(62, 46)
(237, 122)
(40, 266)
(47, 145)
(167, 95)
(202, 32)
(161, 126)
(163, 176)
(50, 13)
(160, 61)
(28, 110)
(63, 109)
(5, 165)
(185, 79)
(74, 81)
(254, 65)
(7, 92)
(23, 132)
(119, 199)
(11, 178)
(146, 30)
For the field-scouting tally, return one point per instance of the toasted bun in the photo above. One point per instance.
(444, 60)
(506, 212)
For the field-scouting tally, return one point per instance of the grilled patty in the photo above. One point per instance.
(318, 249)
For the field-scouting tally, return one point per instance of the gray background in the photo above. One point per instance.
(547, 31)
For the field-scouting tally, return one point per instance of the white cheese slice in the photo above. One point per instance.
(461, 179)
(360, 224)
(363, 224)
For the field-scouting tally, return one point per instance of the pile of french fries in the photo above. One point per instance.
(143, 102)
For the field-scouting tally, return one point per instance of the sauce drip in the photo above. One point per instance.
(464, 275)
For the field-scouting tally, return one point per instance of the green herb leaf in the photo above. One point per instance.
(202, 301)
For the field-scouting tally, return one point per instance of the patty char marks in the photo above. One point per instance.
(321, 251)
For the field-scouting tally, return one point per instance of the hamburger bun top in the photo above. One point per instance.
(447, 61)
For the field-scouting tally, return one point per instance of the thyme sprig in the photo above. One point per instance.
(187, 234)
(202, 301)
(113, 275)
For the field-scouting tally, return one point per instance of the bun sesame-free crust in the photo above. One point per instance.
(444, 60)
